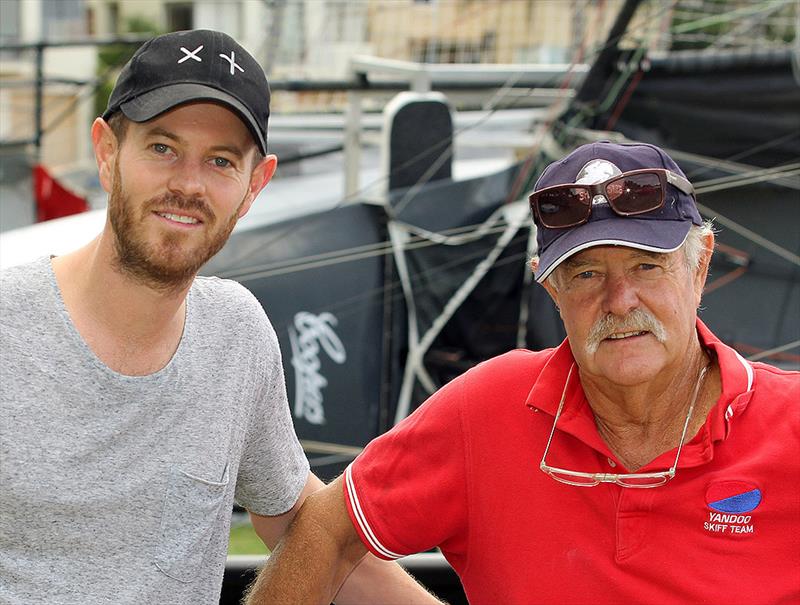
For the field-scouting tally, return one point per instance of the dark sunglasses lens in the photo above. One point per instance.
(563, 207)
(636, 193)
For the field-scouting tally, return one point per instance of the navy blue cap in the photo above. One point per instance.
(662, 230)
(195, 65)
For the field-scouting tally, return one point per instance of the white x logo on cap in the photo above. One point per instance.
(191, 54)
(232, 61)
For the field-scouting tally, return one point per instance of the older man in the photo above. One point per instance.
(530, 470)
(138, 401)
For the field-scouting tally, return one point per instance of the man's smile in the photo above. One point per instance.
(621, 335)
(179, 219)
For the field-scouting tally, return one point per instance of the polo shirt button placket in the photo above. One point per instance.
(633, 516)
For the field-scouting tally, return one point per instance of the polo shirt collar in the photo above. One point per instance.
(577, 419)
(738, 381)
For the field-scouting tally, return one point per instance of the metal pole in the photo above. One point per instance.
(352, 145)
(38, 102)
(592, 86)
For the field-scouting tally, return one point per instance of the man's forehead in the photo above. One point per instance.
(184, 120)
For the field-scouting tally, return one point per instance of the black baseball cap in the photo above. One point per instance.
(661, 230)
(195, 65)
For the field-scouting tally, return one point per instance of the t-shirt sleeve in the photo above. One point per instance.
(406, 492)
(273, 467)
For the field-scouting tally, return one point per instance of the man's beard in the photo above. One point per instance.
(169, 262)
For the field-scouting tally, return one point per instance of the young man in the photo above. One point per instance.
(642, 461)
(139, 401)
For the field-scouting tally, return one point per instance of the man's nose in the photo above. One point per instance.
(620, 295)
(186, 179)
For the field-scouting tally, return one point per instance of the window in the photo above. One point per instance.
(63, 19)
(9, 21)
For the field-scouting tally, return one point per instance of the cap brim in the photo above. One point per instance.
(151, 104)
(651, 235)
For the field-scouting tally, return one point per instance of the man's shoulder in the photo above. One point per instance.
(512, 363)
(775, 371)
(226, 307)
(743, 374)
(212, 286)
(24, 271)
(514, 372)
(20, 285)
(785, 383)
(773, 401)
(216, 293)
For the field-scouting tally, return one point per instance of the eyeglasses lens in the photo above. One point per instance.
(564, 207)
(642, 481)
(589, 480)
(636, 193)
(576, 479)
(567, 206)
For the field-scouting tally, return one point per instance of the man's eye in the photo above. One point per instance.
(160, 148)
(647, 266)
(585, 275)
(222, 162)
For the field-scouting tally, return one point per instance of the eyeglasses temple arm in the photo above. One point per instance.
(555, 420)
(689, 415)
(680, 182)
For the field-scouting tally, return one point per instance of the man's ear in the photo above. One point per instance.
(261, 175)
(106, 150)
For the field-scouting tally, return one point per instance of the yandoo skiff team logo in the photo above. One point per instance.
(731, 505)
(308, 334)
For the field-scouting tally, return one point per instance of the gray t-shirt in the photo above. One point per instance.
(118, 489)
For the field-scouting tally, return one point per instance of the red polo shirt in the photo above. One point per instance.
(462, 473)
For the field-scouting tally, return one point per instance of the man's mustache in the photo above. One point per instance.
(637, 320)
(174, 201)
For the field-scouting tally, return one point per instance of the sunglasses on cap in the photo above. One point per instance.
(628, 194)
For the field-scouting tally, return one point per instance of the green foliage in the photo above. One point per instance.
(245, 541)
(110, 60)
(768, 22)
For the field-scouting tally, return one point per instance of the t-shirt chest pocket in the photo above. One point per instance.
(189, 517)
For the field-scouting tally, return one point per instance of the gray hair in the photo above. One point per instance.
(695, 243)
(693, 247)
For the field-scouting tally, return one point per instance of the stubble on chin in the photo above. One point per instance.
(170, 263)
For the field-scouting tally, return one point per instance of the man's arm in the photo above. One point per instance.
(320, 551)
(272, 529)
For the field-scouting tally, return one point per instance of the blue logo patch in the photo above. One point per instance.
(739, 503)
